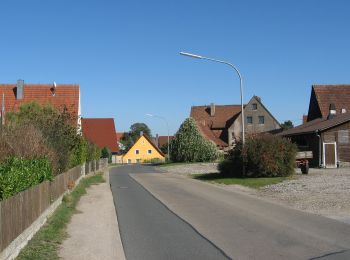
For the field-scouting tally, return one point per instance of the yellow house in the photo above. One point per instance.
(143, 151)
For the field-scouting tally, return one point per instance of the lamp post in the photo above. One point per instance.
(240, 81)
(167, 126)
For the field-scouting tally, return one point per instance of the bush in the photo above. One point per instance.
(79, 153)
(26, 142)
(106, 153)
(262, 156)
(58, 129)
(17, 175)
(190, 146)
(154, 161)
(93, 152)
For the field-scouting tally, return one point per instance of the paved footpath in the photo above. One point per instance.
(93, 231)
(246, 227)
(148, 229)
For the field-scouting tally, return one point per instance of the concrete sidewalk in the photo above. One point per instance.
(93, 232)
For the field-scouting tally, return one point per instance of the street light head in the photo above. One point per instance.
(149, 115)
(191, 55)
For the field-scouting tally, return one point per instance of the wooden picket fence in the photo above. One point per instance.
(20, 211)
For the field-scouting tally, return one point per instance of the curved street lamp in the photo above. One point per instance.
(240, 81)
(167, 126)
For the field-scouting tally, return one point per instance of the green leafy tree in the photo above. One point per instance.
(164, 148)
(189, 145)
(133, 135)
(287, 125)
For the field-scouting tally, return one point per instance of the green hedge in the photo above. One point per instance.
(263, 156)
(17, 175)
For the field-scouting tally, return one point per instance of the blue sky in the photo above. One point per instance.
(124, 54)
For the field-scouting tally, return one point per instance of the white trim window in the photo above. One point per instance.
(149, 151)
(137, 151)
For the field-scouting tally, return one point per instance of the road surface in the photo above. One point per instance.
(242, 226)
(148, 229)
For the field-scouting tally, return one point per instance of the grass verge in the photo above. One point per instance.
(45, 243)
(255, 183)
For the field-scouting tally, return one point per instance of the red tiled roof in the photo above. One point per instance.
(328, 94)
(212, 126)
(319, 124)
(66, 95)
(100, 131)
(163, 139)
(119, 135)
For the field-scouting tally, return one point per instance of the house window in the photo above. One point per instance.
(261, 120)
(137, 151)
(249, 119)
(254, 106)
(129, 160)
(343, 136)
(138, 160)
(149, 151)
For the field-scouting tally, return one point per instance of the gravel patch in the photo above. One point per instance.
(323, 191)
(191, 168)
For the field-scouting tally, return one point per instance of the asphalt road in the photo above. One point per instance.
(148, 229)
(247, 227)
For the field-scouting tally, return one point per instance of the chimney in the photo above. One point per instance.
(212, 109)
(304, 119)
(19, 89)
(332, 111)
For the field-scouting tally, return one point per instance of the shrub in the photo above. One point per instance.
(262, 156)
(106, 153)
(93, 152)
(190, 146)
(154, 161)
(26, 142)
(58, 128)
(79, 153)
(17, 175)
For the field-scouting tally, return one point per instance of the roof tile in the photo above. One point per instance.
(100, 131)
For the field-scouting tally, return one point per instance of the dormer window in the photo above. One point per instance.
(254, 106)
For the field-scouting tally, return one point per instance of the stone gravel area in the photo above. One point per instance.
(323, 191)
(191, 168)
